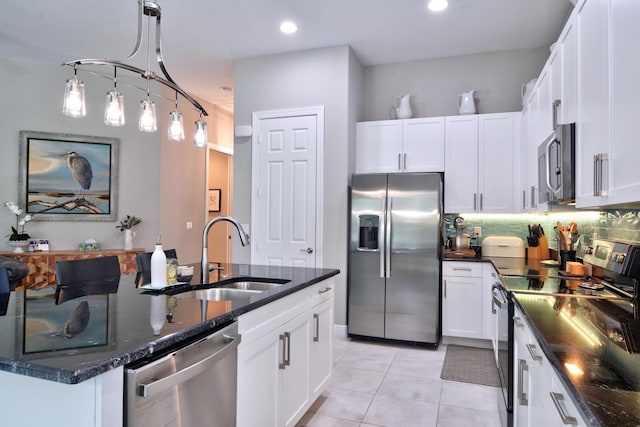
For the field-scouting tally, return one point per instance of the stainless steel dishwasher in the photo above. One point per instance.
(190, 386)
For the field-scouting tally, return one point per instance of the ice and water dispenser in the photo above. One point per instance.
(368, 231)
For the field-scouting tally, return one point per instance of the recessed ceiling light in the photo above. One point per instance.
(288, 27)
(437, 5)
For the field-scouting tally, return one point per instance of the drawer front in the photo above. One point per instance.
(462, 269)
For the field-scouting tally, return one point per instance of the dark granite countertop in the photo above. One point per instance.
(119, 329)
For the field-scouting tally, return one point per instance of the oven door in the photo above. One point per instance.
(502, 339)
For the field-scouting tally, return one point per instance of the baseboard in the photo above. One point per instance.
(340, 331)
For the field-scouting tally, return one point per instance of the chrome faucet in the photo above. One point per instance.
(204, 273)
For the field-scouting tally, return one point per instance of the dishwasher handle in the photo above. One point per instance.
(156, 387)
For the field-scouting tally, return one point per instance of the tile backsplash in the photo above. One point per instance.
(616, 224)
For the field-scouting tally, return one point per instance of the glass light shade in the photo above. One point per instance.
(74, 104)
(114, 109)
(147, 119)
(200, 137)
(176, 126)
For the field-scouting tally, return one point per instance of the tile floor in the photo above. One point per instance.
(384, 385)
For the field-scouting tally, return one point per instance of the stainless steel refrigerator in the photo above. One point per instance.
(394, 260)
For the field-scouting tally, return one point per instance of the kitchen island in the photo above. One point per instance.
(64, 373)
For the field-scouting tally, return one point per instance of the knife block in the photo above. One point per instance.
(541, 251)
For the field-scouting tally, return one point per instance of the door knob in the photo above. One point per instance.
(308, 250)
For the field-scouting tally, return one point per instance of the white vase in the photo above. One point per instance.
(18, 245)
(128, 239)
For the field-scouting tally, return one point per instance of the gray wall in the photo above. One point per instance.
(32, 100)
(350, 93)
(329, 77)
(435, 84)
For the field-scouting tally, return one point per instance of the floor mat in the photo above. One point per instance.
(470, 365)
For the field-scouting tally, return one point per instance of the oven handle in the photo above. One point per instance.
(151, 389)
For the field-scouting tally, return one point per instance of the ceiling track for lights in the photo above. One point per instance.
(149, 9)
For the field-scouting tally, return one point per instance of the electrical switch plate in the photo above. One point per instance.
(477, 231)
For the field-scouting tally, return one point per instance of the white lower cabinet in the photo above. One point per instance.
(281, 369)
(462, 299)
(540, 398)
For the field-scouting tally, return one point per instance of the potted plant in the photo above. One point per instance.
(127, 225)
(18, 239)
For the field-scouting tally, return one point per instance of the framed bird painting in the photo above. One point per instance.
(67, 177)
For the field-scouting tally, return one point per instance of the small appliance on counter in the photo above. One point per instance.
(459, 245)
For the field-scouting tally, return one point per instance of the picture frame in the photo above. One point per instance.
(55, 185)
(214, 199)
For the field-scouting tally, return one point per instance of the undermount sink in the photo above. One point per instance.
(225, 294)
(255, 286)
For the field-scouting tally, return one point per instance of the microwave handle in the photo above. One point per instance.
(552, 140)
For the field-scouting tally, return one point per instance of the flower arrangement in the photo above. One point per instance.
(17, 232)
(128, 223)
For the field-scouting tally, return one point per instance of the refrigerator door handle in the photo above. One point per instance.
(387, 244)
(383, 232)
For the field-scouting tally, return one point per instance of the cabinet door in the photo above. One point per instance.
(462, 307)
(625, 69)
(497, 136)
(461, 164)
(545, 101)
(521, 382)
(379, 146)
(423, 145)
(259, 382)
(294, 379)
(321, 363)
(592, 132)
(568, 73)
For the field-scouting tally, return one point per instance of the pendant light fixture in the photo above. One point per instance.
(176, 124)
(74, 104)
(200, 137)
(114, 105)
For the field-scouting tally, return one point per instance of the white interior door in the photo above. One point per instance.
(285, 203)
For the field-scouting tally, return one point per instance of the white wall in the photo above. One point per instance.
(435, 84)
(326, 77)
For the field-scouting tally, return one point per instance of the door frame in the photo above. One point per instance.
(256, 117)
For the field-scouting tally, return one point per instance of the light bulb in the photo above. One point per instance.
(200, 133)
(176, 126)
(114, 109)
(147, 120)
(437, 5)
(74, 104)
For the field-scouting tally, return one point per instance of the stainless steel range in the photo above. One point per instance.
(613, 270)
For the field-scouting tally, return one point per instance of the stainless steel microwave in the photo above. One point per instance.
(556, 166)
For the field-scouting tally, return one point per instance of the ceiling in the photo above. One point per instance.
(201, 39)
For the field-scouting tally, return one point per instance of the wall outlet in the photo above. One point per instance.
(477, 231)
(189, 225)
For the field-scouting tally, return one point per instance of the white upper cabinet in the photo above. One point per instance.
(624, 67)
(568, 112)
(592, 130)
(411, 145)
(479, 157)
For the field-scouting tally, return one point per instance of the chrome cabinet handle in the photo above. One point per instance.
(524, 199)
(522, 396)
(461, 269)
(405, 161)
(283, 364)
(316, 318)
(518, 322)
(399, 161)
(324, 291)
(595, 175)
(554, 108)
(534, 191)
(557, 401)
(445, 288)
(287, 336)
(534, 354)
(598, 174)
(474, 201)
(308, 250)
(481, 194)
